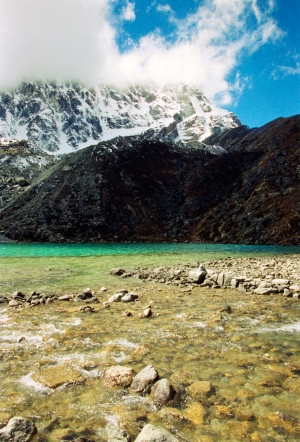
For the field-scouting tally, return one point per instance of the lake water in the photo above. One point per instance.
(26, 250)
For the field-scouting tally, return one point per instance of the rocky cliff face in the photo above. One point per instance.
(62, 118)
(140, 189)
(20, 163)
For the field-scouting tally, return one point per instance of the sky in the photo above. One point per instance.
(243, 54)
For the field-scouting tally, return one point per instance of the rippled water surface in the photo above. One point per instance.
(250, 356)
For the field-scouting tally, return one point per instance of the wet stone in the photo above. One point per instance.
(154, 434)
(57, 375)
(118, 376)
(144, 379)
(18, 429)
(162, 392)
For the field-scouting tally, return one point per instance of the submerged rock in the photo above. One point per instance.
(116, 434)
(195, 413)
(200, 390)
(57, 375)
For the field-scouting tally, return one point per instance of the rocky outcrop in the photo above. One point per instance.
(138, 189)
(20, 163)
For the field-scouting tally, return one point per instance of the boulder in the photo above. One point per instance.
(154, 434)
(64, 298)
(21, 181)
(198, 275)
(265, 291)
(118, 376)
(144, 379)
(14, 303)
(18, 429)
(116, 297)
(162, 392)
(86, 294)
(129, 297)
(18, 295)
(117, 272)
(123, 291)
(280, 281)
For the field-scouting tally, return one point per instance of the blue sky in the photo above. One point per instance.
(270, 75)
(244, 54)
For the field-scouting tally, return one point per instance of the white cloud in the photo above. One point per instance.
(289, 70)
(76, 39)
(128, 13)
(164, 8)
(55, 39)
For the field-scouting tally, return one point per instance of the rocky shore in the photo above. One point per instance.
(260, 276)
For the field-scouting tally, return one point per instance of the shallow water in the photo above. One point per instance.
(64, 268)
(249, 355)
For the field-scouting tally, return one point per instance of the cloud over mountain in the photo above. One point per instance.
(76, 40)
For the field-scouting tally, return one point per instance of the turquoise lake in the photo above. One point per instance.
(68, 250)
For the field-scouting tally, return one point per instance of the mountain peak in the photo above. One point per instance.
(63, 117)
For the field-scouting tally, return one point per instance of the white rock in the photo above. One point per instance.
(115, 298)
(295, 287)
(153, 434)
(265, 291)
(147, 376)
(198, 275)
(280, 281)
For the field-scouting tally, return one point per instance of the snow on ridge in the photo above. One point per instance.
(65, 117)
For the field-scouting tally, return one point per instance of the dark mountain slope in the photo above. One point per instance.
(265, 206)
(135, 189)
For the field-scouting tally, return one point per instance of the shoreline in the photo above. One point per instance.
(265, 275)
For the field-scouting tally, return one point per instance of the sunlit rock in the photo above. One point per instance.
(57, 375)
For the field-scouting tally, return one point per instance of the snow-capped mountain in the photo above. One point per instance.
(65, 117)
